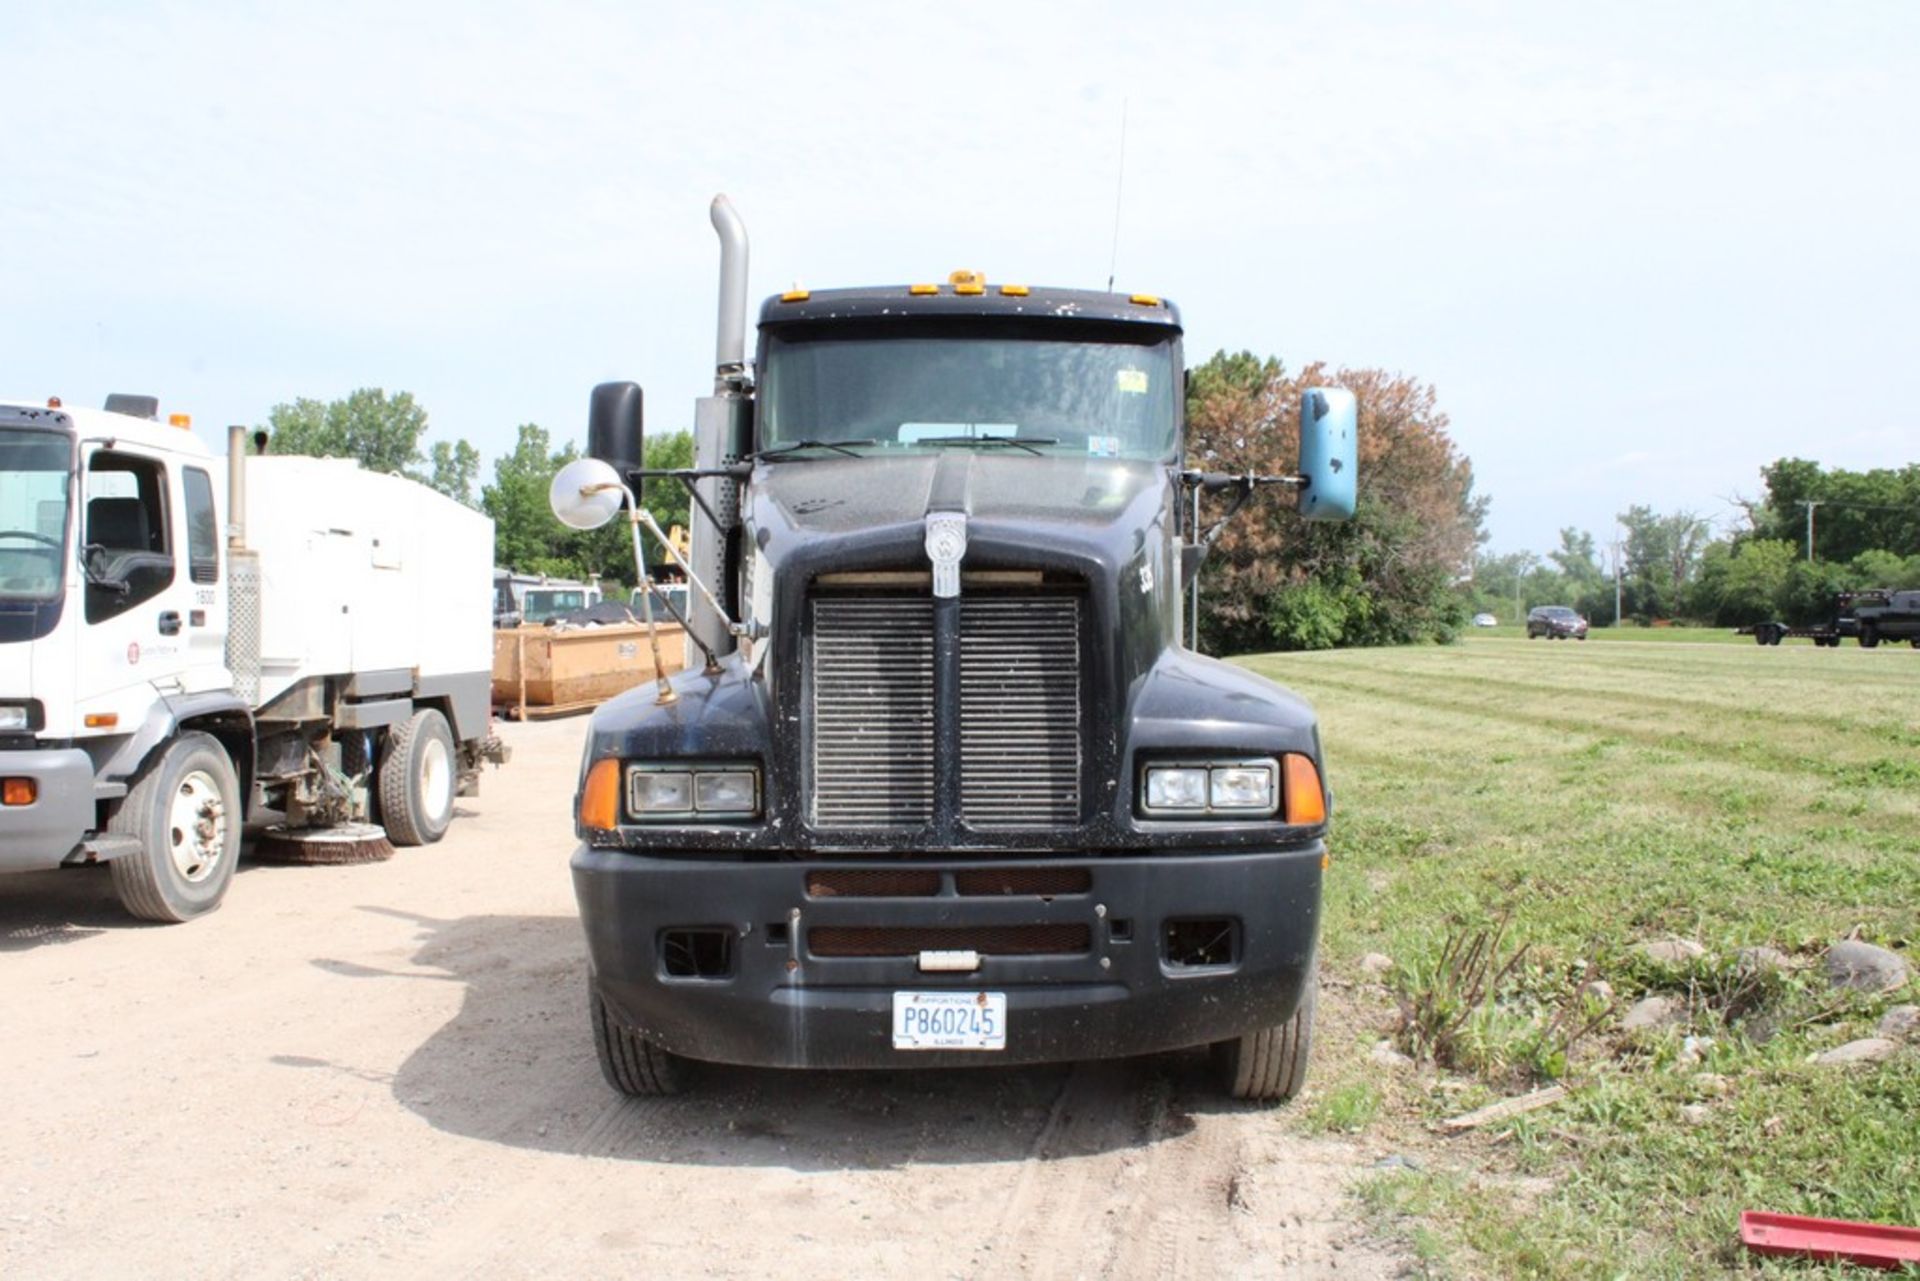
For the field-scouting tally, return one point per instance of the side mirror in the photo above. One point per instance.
(586, 493)
(614, 431)
(1329, 452)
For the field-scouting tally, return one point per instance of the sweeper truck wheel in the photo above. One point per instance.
(1270, 1066)
(631, 1063)
(185, 812)
(418, 774)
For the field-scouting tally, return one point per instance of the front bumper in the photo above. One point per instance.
(45, 833)
(784, 1006)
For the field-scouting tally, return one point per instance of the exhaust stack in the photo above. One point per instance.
(722, 434)
(730, 339)
(236, 488)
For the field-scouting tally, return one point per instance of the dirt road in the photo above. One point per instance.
(385, 1070)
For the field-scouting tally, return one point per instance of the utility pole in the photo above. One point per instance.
(1810, 504)
(1615, 545)
(1521, 568)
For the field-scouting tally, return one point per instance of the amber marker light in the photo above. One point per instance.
(102, 720)
(600, 798)
(1306, 801)
(18, 791)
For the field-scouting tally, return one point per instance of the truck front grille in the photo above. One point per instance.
(1020, 711)
(873, 712)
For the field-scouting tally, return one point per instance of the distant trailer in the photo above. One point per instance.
(1774, 633)
(1869, 616)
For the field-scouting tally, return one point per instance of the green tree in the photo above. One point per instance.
(1854, 512)
(1740, 584)
(664, 497)
(1662, 554)
(453, 466)
(382, 431)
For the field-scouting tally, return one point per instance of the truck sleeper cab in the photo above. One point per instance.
(958, 794)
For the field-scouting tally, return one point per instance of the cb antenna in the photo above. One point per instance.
(1119, 189)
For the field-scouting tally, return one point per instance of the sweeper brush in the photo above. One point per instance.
(324, 846)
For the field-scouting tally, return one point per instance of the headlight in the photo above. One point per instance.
(726, 791)
(663, 791)
(1179, 788)
(1226, 789)
(1242, 787)
(14, 717)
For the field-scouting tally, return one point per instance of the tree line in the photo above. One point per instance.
(386, 433)
(1814, 533)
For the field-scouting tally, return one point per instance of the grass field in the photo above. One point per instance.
(1593, 797)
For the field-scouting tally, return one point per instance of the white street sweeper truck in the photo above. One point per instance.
(188, 641)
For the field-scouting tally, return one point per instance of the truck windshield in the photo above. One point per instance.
(1100, 398)
(35, 475)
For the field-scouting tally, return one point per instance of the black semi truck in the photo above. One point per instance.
(945, 783)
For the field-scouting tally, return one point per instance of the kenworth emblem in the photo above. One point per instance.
(946, 546)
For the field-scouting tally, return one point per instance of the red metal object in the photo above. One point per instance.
(1871, 1245)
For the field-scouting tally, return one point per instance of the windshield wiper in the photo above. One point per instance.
(1030, 443)
(794, 446)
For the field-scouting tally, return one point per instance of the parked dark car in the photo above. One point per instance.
(1556, 622)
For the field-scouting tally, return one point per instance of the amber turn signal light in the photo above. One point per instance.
(18, 791)
(1306, 800)
(600, 798)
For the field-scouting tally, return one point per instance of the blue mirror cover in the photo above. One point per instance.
(1329, 452)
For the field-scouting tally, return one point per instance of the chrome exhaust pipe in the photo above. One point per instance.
(730, 340)
(236, 487)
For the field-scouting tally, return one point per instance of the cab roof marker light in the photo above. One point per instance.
(1145, 300)
(1014, 291)
(921, 291)
(796, 295)
(183, 421)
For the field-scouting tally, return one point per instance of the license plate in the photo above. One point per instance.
(949, 1020)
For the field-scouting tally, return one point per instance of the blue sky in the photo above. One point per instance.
(1641, 250)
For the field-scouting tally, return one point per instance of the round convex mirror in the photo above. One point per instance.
(585, 494)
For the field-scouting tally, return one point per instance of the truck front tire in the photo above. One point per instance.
(1270, 1065)
(185, 812)
(632, 1064)
(419, 772)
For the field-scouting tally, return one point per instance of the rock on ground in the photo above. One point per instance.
(1385, 1055)
(1374, 964)
(1871, 1049)
(1864, 967)
(1671, 951)
(1653, 1012)
(1763, 960)
(1900, 1023)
